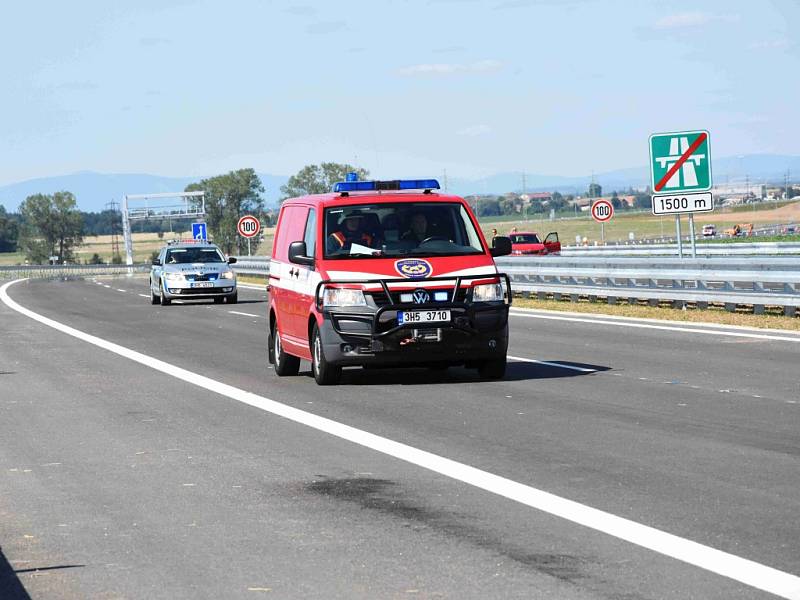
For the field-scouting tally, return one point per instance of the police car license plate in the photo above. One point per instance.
(423, 316)
(196, 284)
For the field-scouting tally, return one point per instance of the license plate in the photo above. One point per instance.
(197, 284)
(423, 316)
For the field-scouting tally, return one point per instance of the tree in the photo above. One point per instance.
(318, 179)
(9, 232)
(52, 226)
(595, 190)
(229, 197)
(616, 202)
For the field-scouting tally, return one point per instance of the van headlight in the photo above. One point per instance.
(343, 297)
(487, 292)
(174, 277)
(227, 275)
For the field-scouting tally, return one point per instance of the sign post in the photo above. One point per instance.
(248, 227)
(680, 175)
(602, 211)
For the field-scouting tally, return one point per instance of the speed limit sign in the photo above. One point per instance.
(248, 226)
(602, 211)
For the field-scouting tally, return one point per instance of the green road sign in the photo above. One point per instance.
(680, 162)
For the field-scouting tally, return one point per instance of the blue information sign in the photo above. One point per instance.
(199, 231)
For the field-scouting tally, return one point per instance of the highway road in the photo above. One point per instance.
(150, 452)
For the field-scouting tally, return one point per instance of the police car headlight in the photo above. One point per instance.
(487, 292)
(343, 297)
(174, 277)
(227, 275)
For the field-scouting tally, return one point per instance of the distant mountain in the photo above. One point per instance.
(94, 190)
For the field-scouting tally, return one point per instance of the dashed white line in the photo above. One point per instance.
(244, 314)
(144, 295)
(119, 290)
(728, 565)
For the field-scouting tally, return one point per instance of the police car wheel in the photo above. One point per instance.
(285, 364)
(218, 300)
(153, 298)
(233, 299)
(324, 372)
(493, 368)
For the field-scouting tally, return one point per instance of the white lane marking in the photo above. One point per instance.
(244, 314)
(552, 364)
(144, 295)
(119, 290)
(728, 565)
(535, 311)
(758, 336)
(260, 288)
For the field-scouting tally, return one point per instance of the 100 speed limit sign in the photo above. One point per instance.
(602, 211)
(248, 226)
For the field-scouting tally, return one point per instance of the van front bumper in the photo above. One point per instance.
(371, 335)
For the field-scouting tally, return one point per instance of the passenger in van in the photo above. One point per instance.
(351, 231)
(419, 228)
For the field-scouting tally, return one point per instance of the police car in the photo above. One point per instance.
(190, 269)
(385, 273)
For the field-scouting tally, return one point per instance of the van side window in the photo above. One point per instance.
(310, 237)
(291, 226)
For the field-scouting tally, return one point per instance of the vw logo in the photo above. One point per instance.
(421, 296)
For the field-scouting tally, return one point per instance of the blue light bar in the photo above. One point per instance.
(397, 184)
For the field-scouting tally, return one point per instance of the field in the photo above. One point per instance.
(642, 225)
(645, 225)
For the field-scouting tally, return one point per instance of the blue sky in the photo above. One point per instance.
(404, 88)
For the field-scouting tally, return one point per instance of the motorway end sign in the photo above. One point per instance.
(680, 162)
(683, 203)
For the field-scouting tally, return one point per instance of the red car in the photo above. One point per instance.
(529, 243)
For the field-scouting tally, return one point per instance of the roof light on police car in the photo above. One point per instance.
(332, 296)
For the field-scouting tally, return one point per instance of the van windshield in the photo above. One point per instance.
(400, 229)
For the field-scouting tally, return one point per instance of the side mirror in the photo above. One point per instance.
(501, 246)
(297, 254)
(156, 262)
(232, 259)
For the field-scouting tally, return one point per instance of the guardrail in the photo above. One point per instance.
(755, 282)
(750, 281)
(720, 249)
(59, 271)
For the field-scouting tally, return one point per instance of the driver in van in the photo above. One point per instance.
(419, 228)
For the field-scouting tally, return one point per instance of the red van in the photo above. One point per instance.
(385, 273)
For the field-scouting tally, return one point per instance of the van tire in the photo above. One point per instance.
(493, 368)
(324, 372)
(285, 364)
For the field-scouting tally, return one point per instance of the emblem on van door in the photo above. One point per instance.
(413, 268)
(421, 296)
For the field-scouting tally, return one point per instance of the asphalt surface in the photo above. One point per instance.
(119, 481)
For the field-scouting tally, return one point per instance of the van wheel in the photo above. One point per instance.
(285, 364)
(493, 368)
(324, 373)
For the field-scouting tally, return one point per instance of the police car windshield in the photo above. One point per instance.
(400, 229)
(193, 255)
